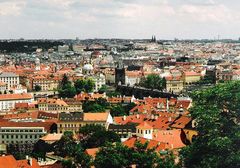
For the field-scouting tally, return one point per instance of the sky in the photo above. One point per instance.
(167, 19)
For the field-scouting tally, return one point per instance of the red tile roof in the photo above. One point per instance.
(16, 96)
(151, 143)
(172, 137)
(10, 162)
(92, 151)
(46, 125)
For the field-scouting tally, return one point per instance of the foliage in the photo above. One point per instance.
(41, 148)
(217, 113)
(121, 110)
(38, 88)
(117, 110)
(66, 89)
(118, 155)
(92, 107)
(99, 105)
(113, 93)
(103, 89)
(153, 81)
(65, 146)
(83, 85)
(20, 150)
(96, 135)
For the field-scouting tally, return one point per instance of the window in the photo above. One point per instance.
(145, 131)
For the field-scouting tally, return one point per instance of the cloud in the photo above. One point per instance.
(118, 18)
(11, 8)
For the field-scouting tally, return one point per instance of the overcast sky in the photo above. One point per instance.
(166, 19)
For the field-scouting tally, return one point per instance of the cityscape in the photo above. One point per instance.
(96, 93)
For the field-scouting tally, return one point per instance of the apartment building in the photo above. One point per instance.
(8, 101)
(11, 79)
(74, 121)
(24, 132)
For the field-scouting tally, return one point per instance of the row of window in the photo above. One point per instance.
(20, 136)
(146, 131)
(12, 130)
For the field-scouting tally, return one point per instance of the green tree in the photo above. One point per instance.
(113, 93)
(80, 85)
(66, 146)
(99, 105)
(98, 137)
(68, 91)
(38, 88)
(103, 89)
(88, 130)
(117, 156)
(128, 107)
(153, 81)
(65, 81)
(89, 86)
(217, 112)
(83, 85)
(117, 110)
(92, 107)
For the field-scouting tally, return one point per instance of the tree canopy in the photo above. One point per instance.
(66, 90)
(38, 88)
(217, 112)
(99, 105)
(153, 81)
(96, 136)
(119, 156)
(84, 85)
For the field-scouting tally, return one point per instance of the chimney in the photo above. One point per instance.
(137, 116)
(170, 119)
(124, 118)
(152, 116)
(156, 117)
(172, 146)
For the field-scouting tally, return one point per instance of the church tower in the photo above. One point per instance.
(120, 74)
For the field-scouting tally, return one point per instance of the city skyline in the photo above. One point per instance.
(130, 19)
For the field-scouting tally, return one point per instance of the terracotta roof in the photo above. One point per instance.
(15, 96)
(172, 137)
(144, 125)
(92, 151)
(95, 116)
(54, 165)
(151, 143)
(10, 162)
(191, 73)
(58, 102)
(51, 137)
(46, 125)
(143, 108)
(26, 164)
(181, 122)
(32, 115)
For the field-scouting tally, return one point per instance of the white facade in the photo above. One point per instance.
(11, 79)
(131, 81)
(99, 81)
(144, 132)
(13, 135)
(8, 101)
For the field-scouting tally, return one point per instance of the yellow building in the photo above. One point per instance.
(174, 84)
(59, 105)
(74, 121)
(190, 77)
